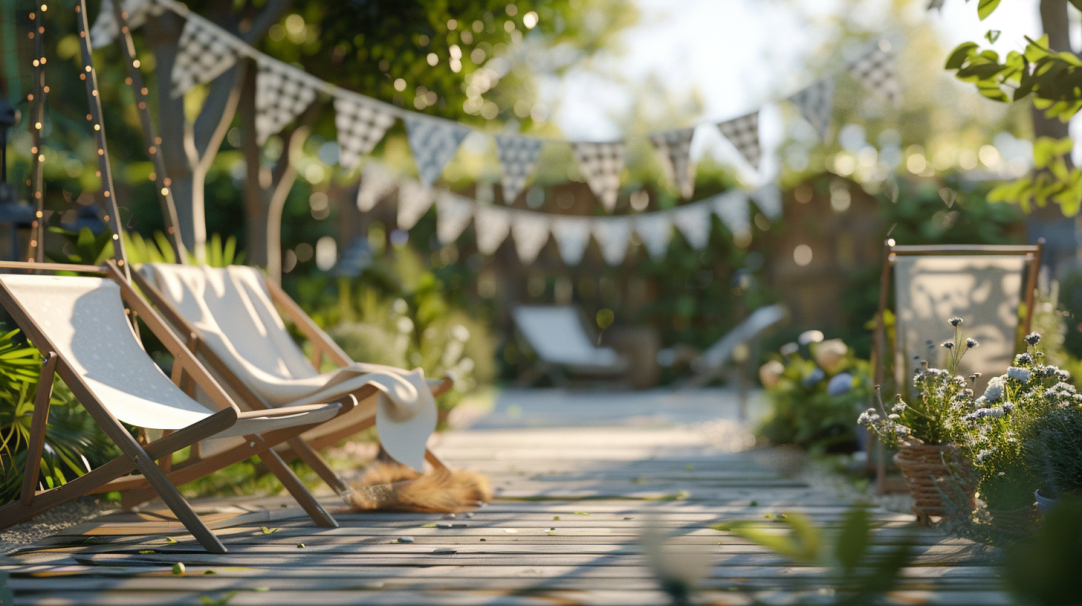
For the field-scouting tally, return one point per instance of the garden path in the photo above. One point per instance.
(571, 500)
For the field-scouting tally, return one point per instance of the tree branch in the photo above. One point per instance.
(272, 12)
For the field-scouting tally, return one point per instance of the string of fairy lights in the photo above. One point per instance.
(112, 218)
(36, 99)
(150, 139)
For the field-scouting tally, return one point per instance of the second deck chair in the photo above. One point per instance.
(229, 319)
(558, 337)
(711, 362)
(80, 326)
(983, 285)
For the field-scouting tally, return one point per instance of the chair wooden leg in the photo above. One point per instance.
(293, 484)
(436, 462)
(37, 429)
(176, 503)
(319, 465)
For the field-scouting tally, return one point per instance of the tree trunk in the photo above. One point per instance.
(1056, 25)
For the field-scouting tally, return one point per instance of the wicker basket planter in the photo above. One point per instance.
(932, 471)
(1015, 524)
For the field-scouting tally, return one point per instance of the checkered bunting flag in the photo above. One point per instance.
(601, 165)
(816, 104)
(875, 70)
(517, 158)
(203, 53)
(281, 94)
(433, 143)
(361, 125)
(743, 133)
(674, 147)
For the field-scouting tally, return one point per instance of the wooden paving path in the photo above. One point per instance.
(564, 529)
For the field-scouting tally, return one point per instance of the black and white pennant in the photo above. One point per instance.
(816, 104)
(433, 143)
(517, 158)
(674, 147)
(875, 70)
(204, 52)
(601, 165)
(361, 125)
(282, 92)
(743, 133)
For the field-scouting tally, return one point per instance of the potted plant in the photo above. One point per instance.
(1056, 454)
(923, 432)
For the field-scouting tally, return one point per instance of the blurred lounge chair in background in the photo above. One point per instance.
(558, 335)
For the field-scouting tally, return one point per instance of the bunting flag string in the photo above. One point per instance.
(572, 237)
(207, 50)
(816, 104)
(433, 143)
(517, 158)
(601, 165)
(282, 93)
(674, 149)
(414, 200)
(492, 224)
(453, 215)
(875, 70)
(743, 133)
(530, 232)
(361, 126)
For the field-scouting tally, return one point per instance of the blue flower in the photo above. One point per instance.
(840, 384)
(816, 376)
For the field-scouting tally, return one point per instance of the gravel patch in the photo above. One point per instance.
(52, 521)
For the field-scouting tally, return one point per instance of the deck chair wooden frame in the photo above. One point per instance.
(297, 446)
(159, 478)
(891, 251)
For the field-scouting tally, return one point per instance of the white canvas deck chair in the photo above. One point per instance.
(229, 319)
(983, 285)
(712, 362)
(559, 338)
(81, 327)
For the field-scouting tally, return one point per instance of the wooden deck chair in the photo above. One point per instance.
(711, 362)
(81, 327)
(983, 285)
(229, 319)
(558, 336)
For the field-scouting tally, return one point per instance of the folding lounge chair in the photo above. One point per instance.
(80, 326)
(983, 285)
(711, 362)
(229, 319)
(558, 337)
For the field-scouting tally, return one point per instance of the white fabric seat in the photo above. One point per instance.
(236, 318)
(84, 320)
(557, 336)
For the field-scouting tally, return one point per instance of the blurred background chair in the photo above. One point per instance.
(564, 348)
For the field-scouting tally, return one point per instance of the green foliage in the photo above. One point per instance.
(857, 575)
(1052, 181)
(1043, 571)
(813, 399)
(1056, 452)
(218, 253)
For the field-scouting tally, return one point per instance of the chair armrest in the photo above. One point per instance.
(285, 411)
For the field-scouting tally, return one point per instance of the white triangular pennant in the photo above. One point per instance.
(105, 27)
(768, 199)
(376, 182)
(517, 158)
(361, 124)
(612, 234)
(655, 231)
(694, 222)
(414, 200)
(282, 92)
(601, 165)
(732, 208)
(204, 52)
(492, 223)
(530, 232)
(743, 133)
(433, 143)
(453, 214)
(572, 237)
(875, 70)
(674, 148)
(816, 104)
